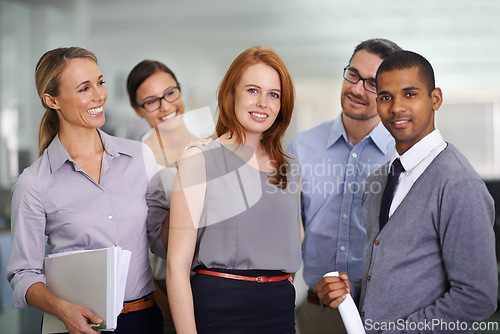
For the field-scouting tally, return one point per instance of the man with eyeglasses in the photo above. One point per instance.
(336, 158)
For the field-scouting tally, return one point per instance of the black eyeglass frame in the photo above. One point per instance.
(347, 68)
(163, 97)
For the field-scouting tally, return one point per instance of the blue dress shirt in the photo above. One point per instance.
(334, 173)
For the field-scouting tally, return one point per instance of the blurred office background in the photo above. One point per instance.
(198, 39)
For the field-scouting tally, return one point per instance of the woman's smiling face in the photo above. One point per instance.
(156, 86)
(81, 95)
(257, 98)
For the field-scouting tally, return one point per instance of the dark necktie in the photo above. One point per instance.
(392, 181)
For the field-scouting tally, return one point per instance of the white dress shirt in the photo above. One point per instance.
(415, 161)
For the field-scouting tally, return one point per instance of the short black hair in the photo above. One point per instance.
(408, 59)
(379, 46)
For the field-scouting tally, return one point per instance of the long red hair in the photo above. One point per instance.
(271, 138)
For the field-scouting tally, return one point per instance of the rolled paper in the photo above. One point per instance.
(349, 312)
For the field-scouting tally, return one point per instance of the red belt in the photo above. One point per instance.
(140, 304)
(259, 279)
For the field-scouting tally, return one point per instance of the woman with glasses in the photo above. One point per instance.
(156, 96)
(235, 215)
(88, 190)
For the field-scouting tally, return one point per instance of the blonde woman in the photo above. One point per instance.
(88, 190)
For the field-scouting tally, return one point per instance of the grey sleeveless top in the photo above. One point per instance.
(247, 222)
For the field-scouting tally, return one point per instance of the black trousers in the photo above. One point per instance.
(226, 306)
(145, 321)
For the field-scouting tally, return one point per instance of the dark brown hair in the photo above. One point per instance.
(141, 72)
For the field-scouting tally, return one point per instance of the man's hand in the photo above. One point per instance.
(333, 290)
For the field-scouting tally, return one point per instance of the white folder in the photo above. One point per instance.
(92, 278)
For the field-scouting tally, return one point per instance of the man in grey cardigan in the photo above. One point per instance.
(429, 263)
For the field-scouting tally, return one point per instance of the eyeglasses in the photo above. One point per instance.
(354, 77)
(153, 104)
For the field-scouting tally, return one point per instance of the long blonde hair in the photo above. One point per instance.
(47, 78)
(271, 138)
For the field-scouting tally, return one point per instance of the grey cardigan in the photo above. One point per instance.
(433, 266)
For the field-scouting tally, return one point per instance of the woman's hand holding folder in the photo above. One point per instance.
(78, 319)
(75, 317)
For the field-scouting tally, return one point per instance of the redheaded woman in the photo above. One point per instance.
(235, 216)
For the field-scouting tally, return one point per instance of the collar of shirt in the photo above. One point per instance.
(379, 135)
(58, 155)
(421, 150)
(415, 161)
